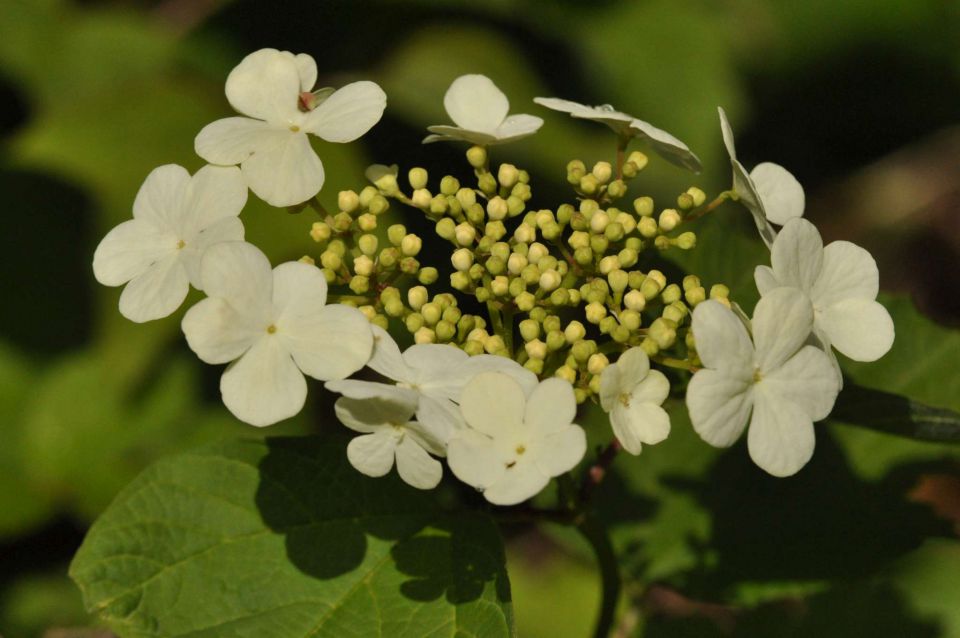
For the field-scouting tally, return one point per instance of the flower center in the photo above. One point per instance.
(294, 128)
(757, 377)
(521, 449)
(271, 329)
(624, 399)
(181, 244)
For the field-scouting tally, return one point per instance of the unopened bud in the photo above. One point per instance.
(396, 233)
(648, 227)
(428, 275)
(686, 240)
(477, 156)
(597, 363)
(643, 206)
(699, 197)
(515, 263)
(536, 349)
(320, 232)
(417, 296)
(410, 245)
(574, 332)
(424, 335)
(550, 280)
(603, 171)
(525, 301)
(566, 373)
(508, 175)
(638, 159)
(417, 178)
(595, 312)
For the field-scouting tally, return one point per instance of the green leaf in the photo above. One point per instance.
(894, 414)
(283, 538)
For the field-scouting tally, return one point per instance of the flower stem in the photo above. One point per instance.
(596, 534)
(722, 197)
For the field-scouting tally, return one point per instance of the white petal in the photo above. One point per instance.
(298, 289)
(160, 199)
(727, 132)
(232, 140)
(848, 272)
(264, 386)
(156, 292)
(474, 459)
(564, 106)
(518, 483)
(859, 328)
(265, 85)
(426, 438)
(781, 193)
(356, 389)
(561, 450)
(227, 229)
(610, 387)
(721, 339)
(748, 196)
(667, 146)
(439, 417)
(373, 454)
(474, 102)
(655, 388)
(284, 171)
(493, 403)
(518, 126)
(781, 437)
(719, 406)
(214, 193)
(386, 359)
(797, 255)
(240, 274)
(348, 113)
(495, 363)
(217, 332)
(371, 415)
(639, 423)
(765, 279)
(432, 359)
(129, 250)
(330, 344)
(453, 133)
(307, 70)
(634, 365)
(807, 380)
(551, 407)
(416, 467)
(782, 322)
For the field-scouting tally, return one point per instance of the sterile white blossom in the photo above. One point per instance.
(271, 88)
(481, 113)
(515, 441)
(770, 192)
(275, 326)
(431, 376)
(632, 393)
(624, 125)
(389, 435)
(841, 280)
(777, 383)
(176, 217)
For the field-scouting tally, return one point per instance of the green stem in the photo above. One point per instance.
(722, 197)
(596, 534)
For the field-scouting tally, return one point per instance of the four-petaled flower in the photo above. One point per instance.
(515, 442)
(632, 393)
(389, 435)
(271, 146)
(175, 218)
(627, 126)
(841, 280)
(770, 192)
(275, 326)
(785, 384)
(430, 376)
(480, 111)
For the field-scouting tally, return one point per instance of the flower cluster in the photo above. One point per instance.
(561, 313)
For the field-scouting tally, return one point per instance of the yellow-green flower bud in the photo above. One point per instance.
(552, 231)
(424, 335)
(409, 265)
(719, 291)
(410, 245)
(614, 231)
(608, 264)
(589, 184)
(617, 189)
(618, 280)
(599, 244)
(516, 263)
(550, 280)
(575, 171)
(464, 233)
(368, 311)
(659, 277)
(627, 257)
(564, 213)
(648, 227)
(662, 242)
(636, 279)
(449, 185)
(525, 233)
(497, 208)
(669, 218)
(396, 233)
(460, 281)
(488, 184)
(368, 244)
(574, 332)
(674, 313)
(663, 332)
(477, 156)
(582, 350)
(583, 256)
(467, 197)
(462, 259)
(495, 230)
(525, 301)
(555, 340)
(627, 221)
(560, 297)
(685, 201)
(413, 321)
(599, 221)
(578, 239)
(691, 281)
(635, 300)
(378, 205)
(417, 178)
(538, 314)
(431, 313)
(695, 295)
(320, 232)
(530, 275)
(446, 228)
(417, 296)
(671, 293)
(331, 259)
(597, 363)
(473, 348)
(550, 322)
(534, 365)
(630, 319)
(388, 257)
(495, 265)
(529, 329)
(308, 260)
(536, 252)
(699, 197)
(603, 171)
(508, 175)
(342, 222)
(686, 240)
(650, 288)
(421, 198)
(363, 265)
(629, 170)
(428, 275)
(367, 193)
(644, 206)
(393, 307)
(494, 344)
(536, 349)
(348, 201)
(438, 205)
(500, 286)
(360, 284)
(445, 331)
(649, 346)
(595, 312)
(367, 222)
(638, 159)
(566, 373)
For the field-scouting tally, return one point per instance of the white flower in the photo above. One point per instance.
(632, 393)
(431, 376)
(275, 327)
(388, 435)
(666, 145)
(271, 144)
(480, 111)
(515, 440)
(770, 192)
(841, 281)
(175, 218)
(785, 384)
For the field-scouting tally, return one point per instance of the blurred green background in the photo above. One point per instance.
(859, 99)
